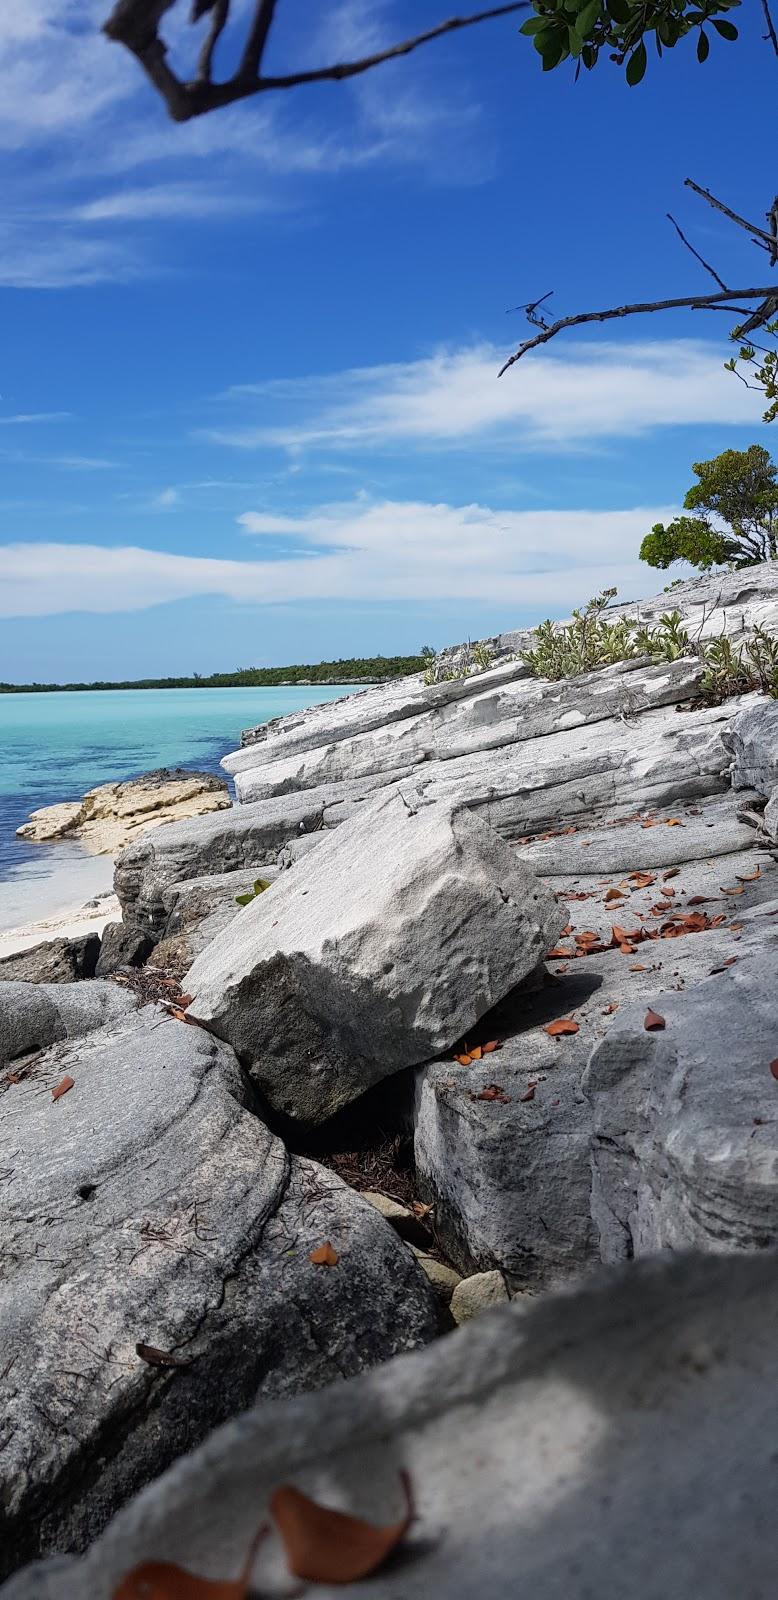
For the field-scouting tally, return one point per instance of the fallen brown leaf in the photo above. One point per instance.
(185, 1000)
(63, 1086)
(614, 894)
(324, 1255)
(563, 1025)
(159, 1580)
(748, 877)
(628, 949)
(672, 872)
(493, 1044)
(159, 1358)
(642, 880)
(609, 1010)
(492, 1091)
(464, 1060)
(738, 889)
(327, 1546)
(675, 822)
(559, 953)
(529, 1094)
(653, 1023)
(774, 1068)
(637, 968)
(476, 1053)
(420, 1209)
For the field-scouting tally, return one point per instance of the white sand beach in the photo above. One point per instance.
(38, 903)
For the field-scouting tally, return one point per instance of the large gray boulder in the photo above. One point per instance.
(685, 1150)
(149, 1205)
(616, 1442)
(753, 740)
(374, 954)
(34, 1015)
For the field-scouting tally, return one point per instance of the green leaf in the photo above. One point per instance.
(261, 885)
(586, 18)
(726, 29)
(636, 66)
(575, 44)
(534, 25)
(703, 46)
(243, 899)
(620, 10)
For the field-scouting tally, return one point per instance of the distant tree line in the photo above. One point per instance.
(366, 669)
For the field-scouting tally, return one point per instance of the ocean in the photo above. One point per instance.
(55, 746)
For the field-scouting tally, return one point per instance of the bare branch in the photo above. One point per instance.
(698, 302)
(221, 11)
(134, 23)
(701, 259)
(771, 33)
(766, 239)
(257, 39)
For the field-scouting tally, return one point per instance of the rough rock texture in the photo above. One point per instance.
(509, 1173)
(34, 1015)
(122, 945)
(374, 954)
(54, 961)
(510, 714)
(753, 740)
(111, 815)
(684, 1150)
(617, 1442)
(149, 1204)
(199, 909)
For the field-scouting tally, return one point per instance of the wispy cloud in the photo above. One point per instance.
(568, 397)
(544, 560)
(21, 418)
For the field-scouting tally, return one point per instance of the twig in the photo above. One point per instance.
(771, 33)
(701, 259)
(766, 239)
(221, 11)
(697, 302)
(134, 23)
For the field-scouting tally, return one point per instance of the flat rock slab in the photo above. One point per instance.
(647, 840)
(35, 1015)
(148, 1204)
(400, 931)
(685, 1150)
(503, 1145)
(113, 813)
(506, 714)
(616, 1442)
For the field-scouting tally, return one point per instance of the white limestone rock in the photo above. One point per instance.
(374, 954)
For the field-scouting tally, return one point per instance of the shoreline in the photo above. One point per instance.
(74, 922)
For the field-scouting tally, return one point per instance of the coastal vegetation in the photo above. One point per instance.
(739, 488)
(363, 669)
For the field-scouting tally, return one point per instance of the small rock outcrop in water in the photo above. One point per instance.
(111, 815)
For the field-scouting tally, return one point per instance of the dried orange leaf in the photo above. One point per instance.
(561, 1026)
(493, 1044)
(159, 1580)
(464, 1061)
(627, 949)
(326, 1546)
(672, 872)
(774, 1068)
(159, 1358)
(748, 877)
(637, 968)
(609, 1010)
(492, 1091)
(738, 889)
(653, 1023)
(62, 1087)
(614, 894)
(420, 1209)
(559, 953)
(529, 1094)
(476, 1053)
(675, 822)
(185, 1000)
(324, 1255)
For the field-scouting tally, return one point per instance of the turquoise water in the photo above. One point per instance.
(56, 746)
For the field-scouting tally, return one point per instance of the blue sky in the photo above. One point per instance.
(249, 404)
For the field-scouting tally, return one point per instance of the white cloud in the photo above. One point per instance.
(566, 396)
(536, 560)
(23, 417)
(165, 500)
(166, 202)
